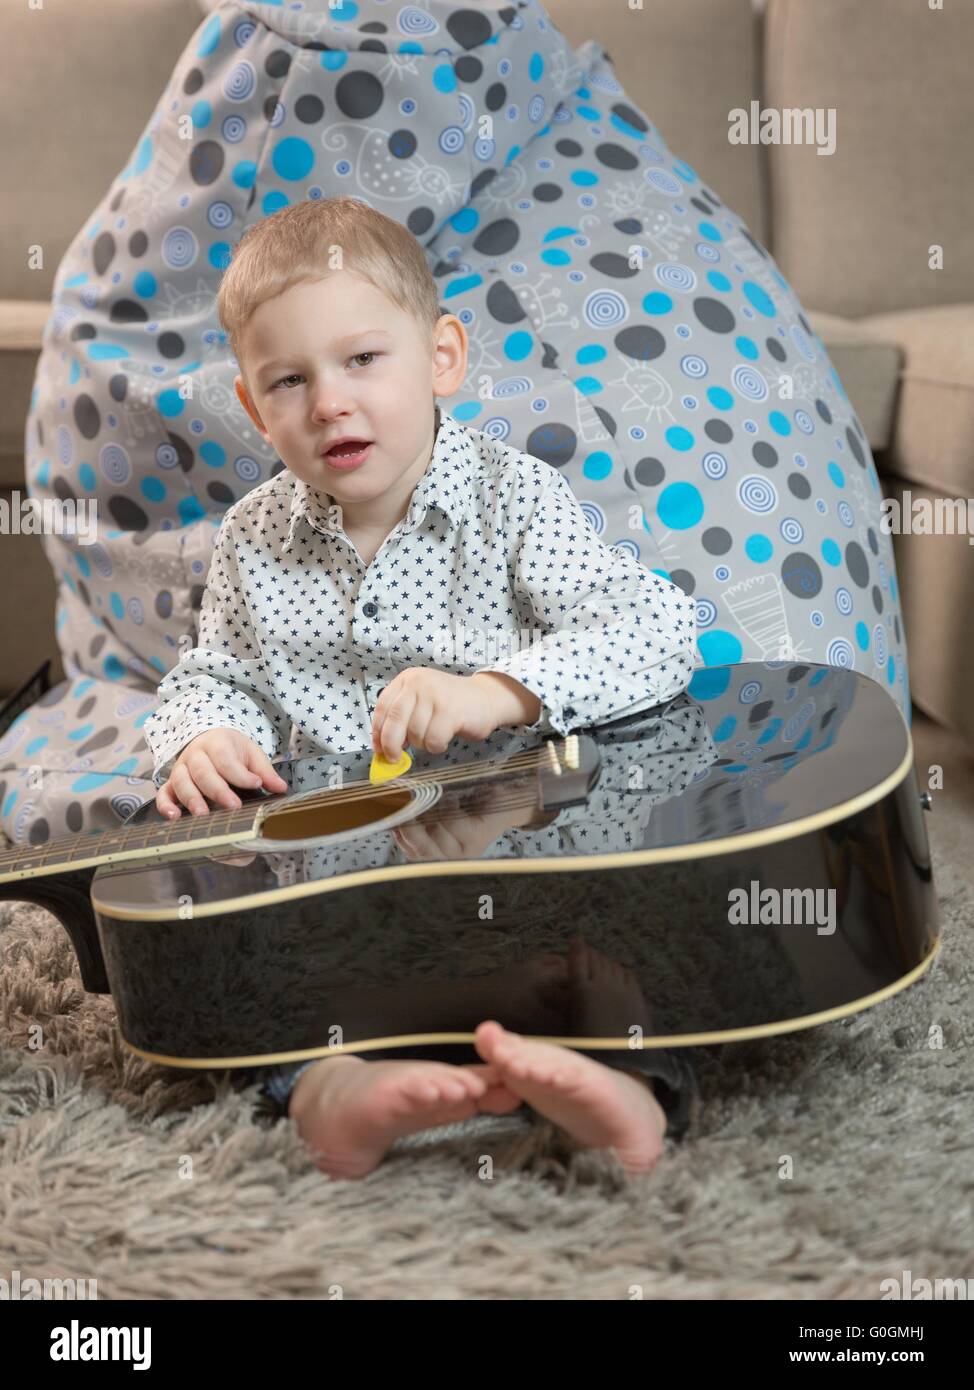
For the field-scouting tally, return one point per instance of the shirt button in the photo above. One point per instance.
(370, 609)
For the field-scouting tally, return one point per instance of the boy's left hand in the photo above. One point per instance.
(426, 708)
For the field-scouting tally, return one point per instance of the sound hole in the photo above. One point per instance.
(333, 814)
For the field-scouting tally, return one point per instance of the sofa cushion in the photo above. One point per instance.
(933, 441)
(936, 575)
(77, 82)
(869, 367)
(21, 333)
(853, 228)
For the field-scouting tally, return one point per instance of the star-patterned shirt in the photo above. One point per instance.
(494, 567)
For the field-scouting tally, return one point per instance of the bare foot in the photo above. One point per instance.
(607, 1000)
(533, 995)
(600, 1107)
(350, 1111)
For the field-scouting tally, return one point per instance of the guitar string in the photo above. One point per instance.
(216, 821)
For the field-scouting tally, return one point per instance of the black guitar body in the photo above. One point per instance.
(744, 861)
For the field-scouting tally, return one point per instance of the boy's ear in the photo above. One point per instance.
(244, 398)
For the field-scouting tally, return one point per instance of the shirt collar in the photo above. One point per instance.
(444, 484)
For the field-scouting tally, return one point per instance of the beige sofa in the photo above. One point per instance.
(855, 232)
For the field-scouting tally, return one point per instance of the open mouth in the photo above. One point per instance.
(348, 455)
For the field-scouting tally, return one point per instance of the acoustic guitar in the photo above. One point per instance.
(748, 859)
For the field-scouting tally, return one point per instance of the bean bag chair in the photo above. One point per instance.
(624, 326)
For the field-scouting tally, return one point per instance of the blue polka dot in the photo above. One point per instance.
(209, 38)
(591, 352)
(657, 303)
(891, 671)
(334, 60)
(679, 506)
(837, 475)
(118, 607)
(344, 12)
(144, 157)
(87, 477)
(779, 423)
(709, 685)
(771, 732)
(721, 399)
(597, 465)
(818, 677)
(293, 158)
(719, 282)
(444, 78)
(201, 114)
(273, 201)
(746, 347)
(518, 345)
(465, 220)
(36, 744)
(144, 284)
(556, 256)
(719, 648)
(708, 230)
(862, 636)
(170, 404)
(213, 453)
(190, 511)
(831, 553)
(244, 173)
(535, 67)
(590, 113)
(219, 254)
(8, 804)
(153, 490)
(588, 385)
(584, 178)
(759, 298)
(76, 735)
(460, 286)
(113, 668)
(679, 438)
(466, 410)
(758, 548)
(81, 560)
(725, 729)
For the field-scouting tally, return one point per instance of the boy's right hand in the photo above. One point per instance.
(203, 765)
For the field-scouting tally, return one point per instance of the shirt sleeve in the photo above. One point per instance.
(616, 637)
(223, 682)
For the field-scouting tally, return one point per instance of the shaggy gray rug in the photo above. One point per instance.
(159, 1184)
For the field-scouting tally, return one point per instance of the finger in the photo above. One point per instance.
(186, 789)
(165, 803)
(260, 764)
(208, 780)
(438, 732)
(394, 726)
(235, 769)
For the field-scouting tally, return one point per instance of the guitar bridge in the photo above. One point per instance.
(569, 771)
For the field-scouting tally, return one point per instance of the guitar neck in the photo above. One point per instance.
(125, 842)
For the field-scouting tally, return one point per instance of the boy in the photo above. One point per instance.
(332, 588)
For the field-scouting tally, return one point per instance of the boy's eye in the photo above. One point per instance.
(296, 375)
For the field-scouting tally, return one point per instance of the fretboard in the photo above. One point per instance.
(125, 842)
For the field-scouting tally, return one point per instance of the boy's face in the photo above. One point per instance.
(336, 357)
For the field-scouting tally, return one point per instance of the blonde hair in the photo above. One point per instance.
(293, 245)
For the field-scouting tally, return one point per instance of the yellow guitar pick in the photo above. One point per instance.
(382, 770)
